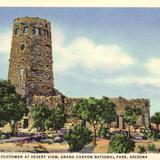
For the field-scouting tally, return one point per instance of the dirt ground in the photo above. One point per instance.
(145, 143)
(29, 147)
(102, 146)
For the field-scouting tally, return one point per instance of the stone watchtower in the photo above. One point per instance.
(30, 68)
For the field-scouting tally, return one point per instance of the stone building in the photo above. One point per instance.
(31, 71)
(30, 68)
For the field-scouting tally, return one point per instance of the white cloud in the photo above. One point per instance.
(140, 81)
(57, 35)
(5, 42)
(85, 53)
(81, 52)
(122, 80)
(153, 66)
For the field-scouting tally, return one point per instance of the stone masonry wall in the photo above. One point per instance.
(50, 101)
(143, 104)
(30, 68)
(120, 102)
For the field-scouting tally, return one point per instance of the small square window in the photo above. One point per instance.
(46, 33)
(16, 30)
(26, 30)
(33, 31)
(21, 73)
(37, 32)
(22, 47)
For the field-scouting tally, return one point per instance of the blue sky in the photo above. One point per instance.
(98, 51)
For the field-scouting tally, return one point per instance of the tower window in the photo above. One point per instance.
(17, 31)
(47, 45)
(33, 31)
(26, 24)
(26, 30)
(46, 26)
(37, 32)
(21, 73)
(22, 47)
(46, 33)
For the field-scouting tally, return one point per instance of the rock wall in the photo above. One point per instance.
(143, 104)
(121, 103)
(50, 101)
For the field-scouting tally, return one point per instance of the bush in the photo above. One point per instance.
(12, 105)
(104, 133)
(3, 136)
(20, 144)
(40, 149)
(45, 118)
(152, 148)
(153, 135)
(78, 137)
(121, 144)
(142, 149)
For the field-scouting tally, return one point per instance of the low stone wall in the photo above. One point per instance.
(50, 101)
(121, 103)
(143, 104)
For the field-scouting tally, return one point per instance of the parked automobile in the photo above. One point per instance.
(23, 134)
(50, 141)
(139, 137)
(58, 139)
(42, 135)
(124, 132)
(64, 130)
(4, 136)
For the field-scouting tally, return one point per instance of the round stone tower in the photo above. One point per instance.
(30, 68)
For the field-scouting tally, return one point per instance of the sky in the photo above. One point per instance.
(97, 51)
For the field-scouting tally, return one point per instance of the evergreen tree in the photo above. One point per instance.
(78, 137)
(12, 105)
(156, 119)
(121, 144)
(130, 116)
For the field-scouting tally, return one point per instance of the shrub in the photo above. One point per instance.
(40, 149)
(104, 133)
(3, 136)
(20, 144)
(121, 144)
(153, 135)
(78, 137)
(152, 148)
(45, 118)
(141, 149)
(12, 105)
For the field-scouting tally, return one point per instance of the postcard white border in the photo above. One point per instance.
(79, 3)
